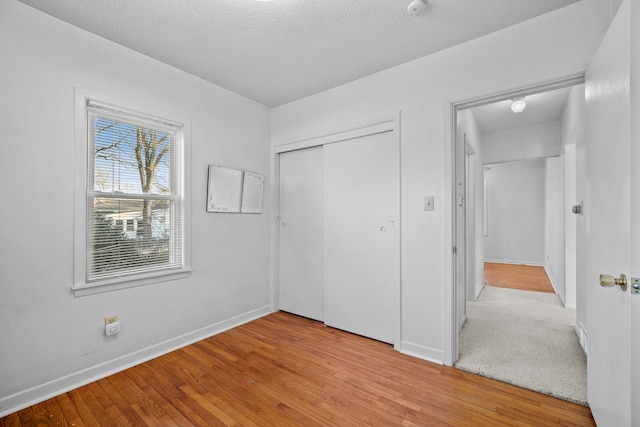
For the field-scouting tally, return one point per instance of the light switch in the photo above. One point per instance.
(428, 203)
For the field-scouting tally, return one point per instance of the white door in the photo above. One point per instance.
(361, 236)
(301, 267)
(610, 196)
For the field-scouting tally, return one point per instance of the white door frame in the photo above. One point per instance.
(383, 123)
(470, 213)
(451, 108)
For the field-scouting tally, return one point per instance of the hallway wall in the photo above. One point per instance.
(516, 212)
(554, 230)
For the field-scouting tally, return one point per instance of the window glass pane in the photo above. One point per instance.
(129, 158)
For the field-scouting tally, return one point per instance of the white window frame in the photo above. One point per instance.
(81, 286)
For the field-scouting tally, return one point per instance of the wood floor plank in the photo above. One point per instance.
(98, 404)
(48, 413)
(286, 370)
(172, 397)
(147, 409)
(124, 413)
(11, 420)
(140, 377)
(83, 410)
(69, 410)
(221, 417)
(517, 276)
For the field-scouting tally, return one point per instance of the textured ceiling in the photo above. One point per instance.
(283, 50)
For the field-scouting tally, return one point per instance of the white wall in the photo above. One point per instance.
(528, 142)
(554, 231)
(549, 46)
(516, 212)
(46, 333)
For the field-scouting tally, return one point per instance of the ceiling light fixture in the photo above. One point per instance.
(417, 7)
(518, 104)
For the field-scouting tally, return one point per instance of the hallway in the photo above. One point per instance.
(523, 337)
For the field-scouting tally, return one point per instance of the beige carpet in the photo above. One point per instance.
(526, 339)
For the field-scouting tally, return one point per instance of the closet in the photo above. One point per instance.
(338, 258)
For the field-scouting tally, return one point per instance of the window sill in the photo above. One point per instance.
(125, 283)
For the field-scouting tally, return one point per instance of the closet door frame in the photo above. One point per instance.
(386, 123)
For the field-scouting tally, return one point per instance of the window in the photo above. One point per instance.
(135, 203)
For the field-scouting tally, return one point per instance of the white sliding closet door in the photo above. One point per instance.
(361, 280)
(301, 233)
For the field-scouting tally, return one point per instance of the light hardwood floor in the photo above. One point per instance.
(284, 370)
(517, 276)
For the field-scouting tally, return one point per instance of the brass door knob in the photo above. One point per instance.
(610, 281)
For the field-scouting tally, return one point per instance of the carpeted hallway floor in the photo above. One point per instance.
(527, 339)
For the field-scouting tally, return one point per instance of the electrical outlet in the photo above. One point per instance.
(109, 320)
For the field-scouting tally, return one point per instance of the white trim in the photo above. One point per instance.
(55, 387)
(421, 352)
(573, 79)
(449, 303)
(336, 137)
(338, 129)
(553, 283)
(80, 287)
(379, 124)
(139, 280)
(274, 258)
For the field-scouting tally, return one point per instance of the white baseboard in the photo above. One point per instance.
(42, 392)
(478, 290)
(422, 352)
(553, 283)
(463, 319)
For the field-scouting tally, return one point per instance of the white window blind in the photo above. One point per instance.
(135, 218)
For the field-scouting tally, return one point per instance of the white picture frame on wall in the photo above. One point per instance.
(234, 191)
(224, 189)
(252, 189)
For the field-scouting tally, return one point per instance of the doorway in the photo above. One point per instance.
(519, 144)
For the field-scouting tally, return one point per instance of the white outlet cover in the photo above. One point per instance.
(112, 328)
(428, 203)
